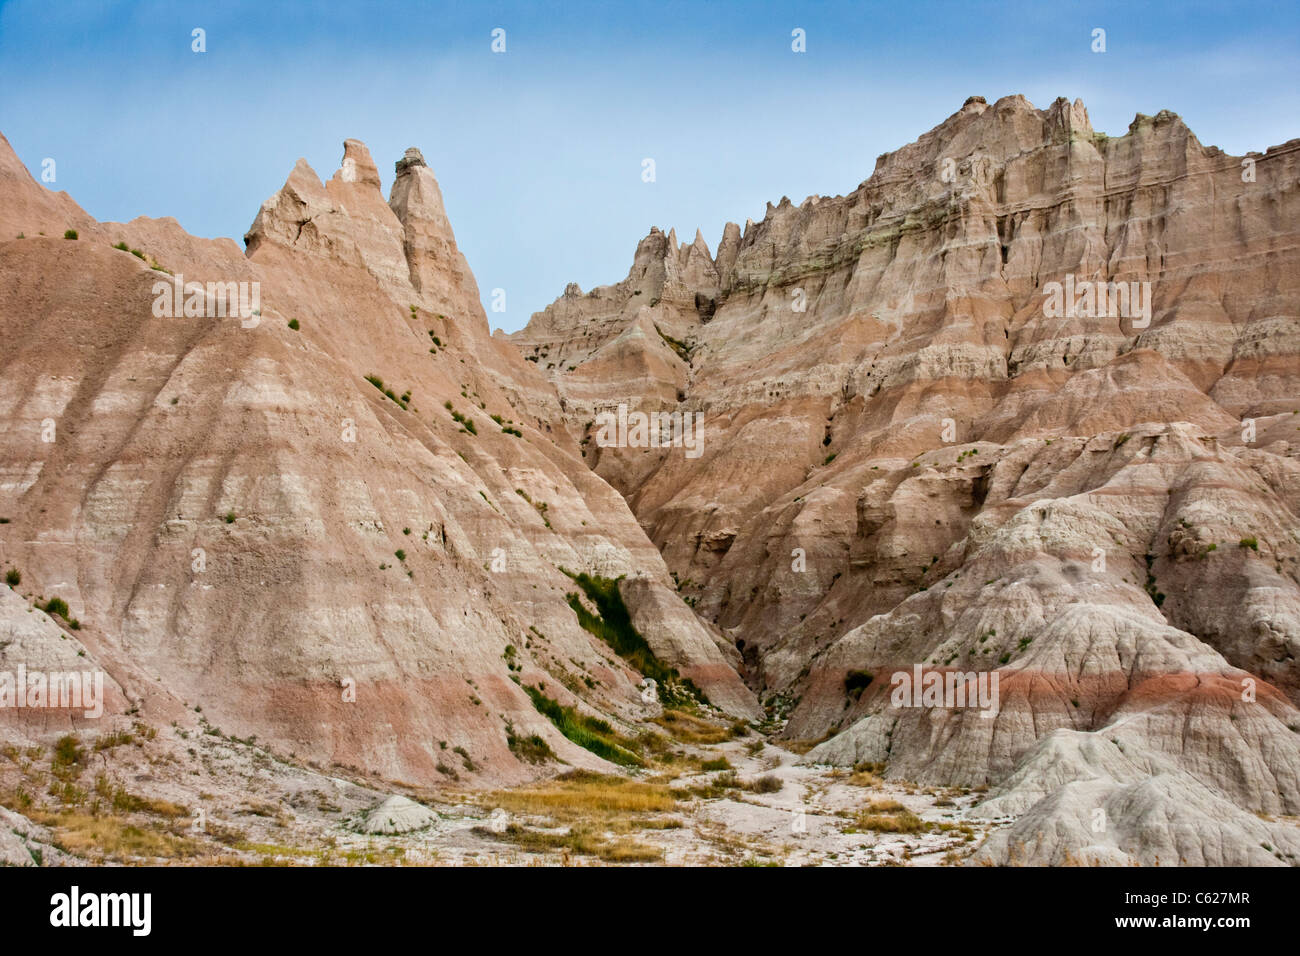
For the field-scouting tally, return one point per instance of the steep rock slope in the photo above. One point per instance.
(913, 456)
(243, 523)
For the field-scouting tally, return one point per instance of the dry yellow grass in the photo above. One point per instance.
(884, 806)
(130, 803)
(114, 837)
(691, 729)
(588, 814)
(630, 851)
(864, 778)
(888, 816)
(803, 746)
(582, 839)
(800, 746)
(583, 793)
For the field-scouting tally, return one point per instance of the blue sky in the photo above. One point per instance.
(539, 150)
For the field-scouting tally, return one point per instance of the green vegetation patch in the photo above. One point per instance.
(613, 625)
(590, 733)
(681, 348)
(466, 423)
(56, 605)
(378, 383)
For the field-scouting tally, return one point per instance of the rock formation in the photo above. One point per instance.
(1021, 408)
(318, 525)
(397, 814)
(928, 441)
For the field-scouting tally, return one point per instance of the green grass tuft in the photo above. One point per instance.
(589, 733)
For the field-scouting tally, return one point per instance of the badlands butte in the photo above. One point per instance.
(358, 547)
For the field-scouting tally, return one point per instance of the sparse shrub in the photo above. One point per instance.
(1251, 542)
(293, 324)
(888, 816)
(855, 682)
(116, 738)
(530, 749)
(70, 234)
(13, 577)
(68, 753)
(56, 605)
(864, 776)
(464, 421)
